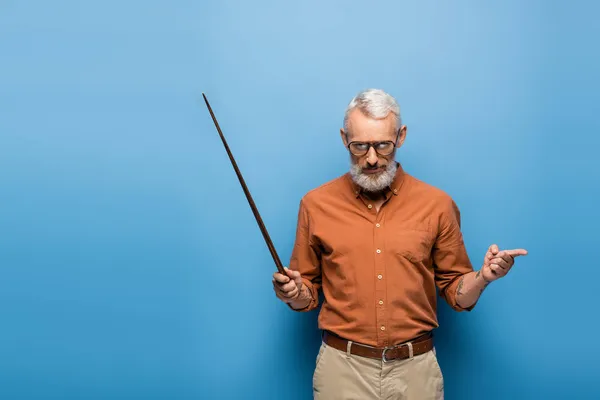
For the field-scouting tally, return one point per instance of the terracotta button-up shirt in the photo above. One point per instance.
(378, 270)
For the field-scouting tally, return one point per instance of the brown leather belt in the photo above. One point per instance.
(401, 351)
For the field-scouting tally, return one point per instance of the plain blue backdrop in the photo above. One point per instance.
(131, 266)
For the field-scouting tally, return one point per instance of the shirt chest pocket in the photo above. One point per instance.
(413, 241)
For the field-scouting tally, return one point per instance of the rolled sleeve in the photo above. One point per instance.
(450, 257)
(306, 258)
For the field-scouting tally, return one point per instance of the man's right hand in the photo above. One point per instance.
(287, 287)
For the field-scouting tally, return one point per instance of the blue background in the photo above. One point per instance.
(131, 266)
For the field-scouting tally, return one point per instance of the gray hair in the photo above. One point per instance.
(374, 103)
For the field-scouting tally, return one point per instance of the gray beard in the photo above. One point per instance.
(374, 183)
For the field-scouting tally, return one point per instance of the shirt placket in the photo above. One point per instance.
(380, 298)
(380, 282)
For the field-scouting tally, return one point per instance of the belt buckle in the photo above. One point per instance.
(385, 360)
(398, 346)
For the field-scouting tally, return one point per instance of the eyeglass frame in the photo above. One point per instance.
(373, 144)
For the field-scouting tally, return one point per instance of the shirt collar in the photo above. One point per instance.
(393, 188)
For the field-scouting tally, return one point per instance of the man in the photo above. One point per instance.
(378, 242)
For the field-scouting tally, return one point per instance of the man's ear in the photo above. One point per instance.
(401, 136)
(344, 137)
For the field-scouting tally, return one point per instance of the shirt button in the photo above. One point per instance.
(379, 276)
(383, 328)
(370, 206)
(377, 225)
(378, 251)
(380, 301)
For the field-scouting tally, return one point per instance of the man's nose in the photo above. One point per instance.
(372, 157)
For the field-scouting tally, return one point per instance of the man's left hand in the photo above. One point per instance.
(498, 262)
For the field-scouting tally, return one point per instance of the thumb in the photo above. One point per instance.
(292, 273)
(494, 249)
(296, 276)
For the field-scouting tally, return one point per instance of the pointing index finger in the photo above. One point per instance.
(517, 252)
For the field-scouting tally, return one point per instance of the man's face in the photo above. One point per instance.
(373, 169)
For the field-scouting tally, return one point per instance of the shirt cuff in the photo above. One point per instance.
(450, 296)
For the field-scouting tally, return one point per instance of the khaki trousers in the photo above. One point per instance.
(339, 376)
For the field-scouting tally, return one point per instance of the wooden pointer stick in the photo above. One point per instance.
(261, 225)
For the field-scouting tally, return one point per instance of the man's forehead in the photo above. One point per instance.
(373, 131)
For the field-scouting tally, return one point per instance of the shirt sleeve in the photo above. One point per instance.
(450, 257)
(306, 258)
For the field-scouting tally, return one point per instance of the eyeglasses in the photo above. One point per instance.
(383, 148)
